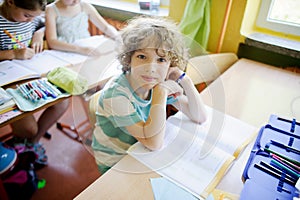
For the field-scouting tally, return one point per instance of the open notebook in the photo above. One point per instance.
(16, 70)
(194, 156)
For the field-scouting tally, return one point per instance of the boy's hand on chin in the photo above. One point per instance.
(172, 88)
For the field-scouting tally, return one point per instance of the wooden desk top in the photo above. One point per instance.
(95, 69)
(249, 91)
(252, 91)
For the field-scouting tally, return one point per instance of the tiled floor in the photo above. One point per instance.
(71, 165)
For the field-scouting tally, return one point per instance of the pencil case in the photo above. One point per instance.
(68, 80)
(253, 189)
(271, 170)
(27, 94)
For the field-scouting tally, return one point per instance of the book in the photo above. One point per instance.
(10, 105)
(4, 117)
(12, 72)
(16, 70)
(222, 195)
(105, 45)
(40, 64)
(194, 156)
(7, 103)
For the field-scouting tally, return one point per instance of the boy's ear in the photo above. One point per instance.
(10, 2)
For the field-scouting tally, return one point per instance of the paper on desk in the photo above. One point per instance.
(196, 156)
(69, 57)
(11, 71)
(106, 45)
(163, 189)
(42, 63)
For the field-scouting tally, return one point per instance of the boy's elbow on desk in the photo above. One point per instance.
(153, 146)
(200, 118)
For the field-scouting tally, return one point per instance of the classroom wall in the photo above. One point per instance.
(232, 36)
(241, 22)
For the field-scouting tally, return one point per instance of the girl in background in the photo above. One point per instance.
(21, 38)
(21, 21)
(67, 21)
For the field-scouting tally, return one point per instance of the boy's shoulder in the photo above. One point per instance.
(118, 85)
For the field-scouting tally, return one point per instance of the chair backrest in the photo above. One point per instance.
(206, 68)
(93, 107)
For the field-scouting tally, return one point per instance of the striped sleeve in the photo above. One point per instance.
(20, 31)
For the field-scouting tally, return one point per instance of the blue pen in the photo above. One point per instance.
(282, 167)
(49, 88)
(31, 92)
(43, 88)
(40, 90)
(52, 93)
(288, 148)
(27, 92)
(47, 85)
(23, 92)
(53, 87)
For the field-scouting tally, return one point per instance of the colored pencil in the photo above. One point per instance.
(14, 38)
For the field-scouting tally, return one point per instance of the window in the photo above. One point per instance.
(125, 9)
(280, 15)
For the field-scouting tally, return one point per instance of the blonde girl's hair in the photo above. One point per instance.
(152, 32)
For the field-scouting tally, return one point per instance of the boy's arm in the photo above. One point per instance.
(191, 103)
(151, 133)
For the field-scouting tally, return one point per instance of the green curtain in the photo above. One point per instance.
(195, 22)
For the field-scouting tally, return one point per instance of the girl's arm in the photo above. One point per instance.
(151, 133)
(99, 21)
(37, 42)
(51, 35)
(20, 54)
(191, 103)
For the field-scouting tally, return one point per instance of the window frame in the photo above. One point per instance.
(274, 25)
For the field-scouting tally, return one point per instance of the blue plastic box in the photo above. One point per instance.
(262, 179)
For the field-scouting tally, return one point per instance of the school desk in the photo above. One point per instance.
(249, 91)
(94, 69)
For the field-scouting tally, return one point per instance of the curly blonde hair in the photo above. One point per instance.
(152, 32)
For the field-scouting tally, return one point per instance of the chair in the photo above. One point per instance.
(204, 69)
(92, 109)
(93, 106)
(76, 131)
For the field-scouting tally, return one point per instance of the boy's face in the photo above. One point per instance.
(148, 68)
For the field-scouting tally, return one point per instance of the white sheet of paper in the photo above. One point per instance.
(42, 63)
(163, 189)
(11, 72)
(190, 157)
